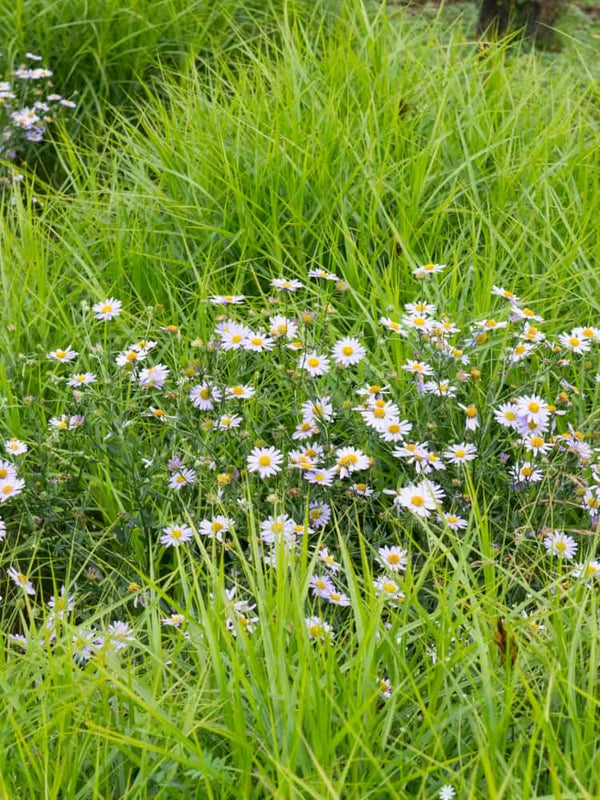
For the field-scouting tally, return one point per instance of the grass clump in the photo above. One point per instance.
(300, 486)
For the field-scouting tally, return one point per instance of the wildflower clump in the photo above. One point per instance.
(28, 106)
(288, 441)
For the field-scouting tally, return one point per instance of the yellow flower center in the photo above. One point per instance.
(417, 500)
(313, 362)
(264, 461)
(347, 350)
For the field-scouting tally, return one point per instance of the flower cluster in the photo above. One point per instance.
(280, 429)
(27, 107)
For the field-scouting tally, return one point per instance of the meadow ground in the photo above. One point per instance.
(299, 398)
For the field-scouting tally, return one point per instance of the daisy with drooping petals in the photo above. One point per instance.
(500, 292)
(428, 269)
(323, 274)
(337, 598)
(173, 621)
(472, 416)
(587, 571)
(265, 460)
(107, 309)
(227, 299)
(286, 284)
(21, 580)
(527, 313)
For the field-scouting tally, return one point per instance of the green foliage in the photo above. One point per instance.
(254, 141)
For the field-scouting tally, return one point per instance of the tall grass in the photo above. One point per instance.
(366, 144)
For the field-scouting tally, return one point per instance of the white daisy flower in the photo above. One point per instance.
(227, 299)
(392, 558)
(82, 379)
(349, 460)
(560, 544)
(348, 352)
(461, 453)
(63, 355)
(10, 487)
(107, 309)
(154, 377)
(176, 535)
(215, 527)
(240, 392)
(258, 342)
(318, 628)
(21, 580)
(428, 269)
(314, 364)
(265, 460)
(286, 284)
